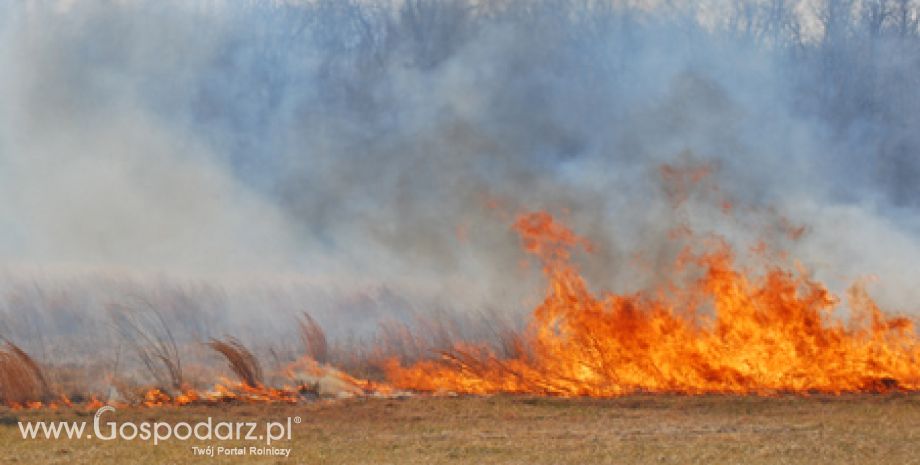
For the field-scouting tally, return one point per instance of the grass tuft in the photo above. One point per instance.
(241, 361)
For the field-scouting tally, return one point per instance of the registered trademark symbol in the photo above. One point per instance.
(297, 420)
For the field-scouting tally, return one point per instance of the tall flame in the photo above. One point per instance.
(765, 334)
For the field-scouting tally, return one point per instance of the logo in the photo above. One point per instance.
(105, 427)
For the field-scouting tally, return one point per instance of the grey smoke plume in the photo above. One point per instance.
(334, 148)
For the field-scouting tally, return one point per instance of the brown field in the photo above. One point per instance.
(869, 429)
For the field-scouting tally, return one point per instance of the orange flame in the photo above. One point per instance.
(223, 392)
(230, 391)
(765, 334)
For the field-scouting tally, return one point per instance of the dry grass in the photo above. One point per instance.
(241, 361)
(313, 338)
(21, 379)
(876, 429)
(145, 329)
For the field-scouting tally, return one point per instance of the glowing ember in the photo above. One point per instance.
(765, 334)
(313, 378)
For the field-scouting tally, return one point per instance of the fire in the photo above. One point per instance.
(774, 332)
(309, 380)
(718, 329)
(308, 373)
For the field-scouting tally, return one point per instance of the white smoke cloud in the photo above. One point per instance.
(92, 176)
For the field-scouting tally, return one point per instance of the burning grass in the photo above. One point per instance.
(717, 329)
(765, 334)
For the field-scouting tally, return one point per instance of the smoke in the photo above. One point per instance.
(93, 175)
(329, 153)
